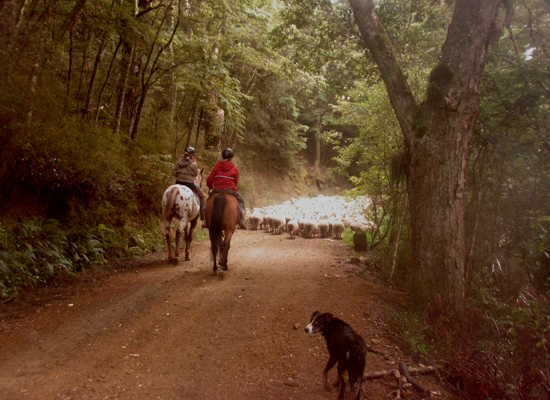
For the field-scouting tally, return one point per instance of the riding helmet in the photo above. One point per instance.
(227, 153)
(190, 150)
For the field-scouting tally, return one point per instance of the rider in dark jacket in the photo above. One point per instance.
(185, 171)
(225, 176)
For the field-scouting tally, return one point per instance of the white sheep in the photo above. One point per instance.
(292, 228)
(337, 229)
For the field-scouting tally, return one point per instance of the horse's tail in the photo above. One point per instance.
(216, 223)
(169, 206)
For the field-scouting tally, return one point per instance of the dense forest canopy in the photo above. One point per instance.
(99, 98)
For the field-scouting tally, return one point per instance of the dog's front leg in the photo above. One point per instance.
(331, 362)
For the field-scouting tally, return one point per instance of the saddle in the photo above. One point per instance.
(195, 193)
(235, 194)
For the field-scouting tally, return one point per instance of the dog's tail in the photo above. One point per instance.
(356, 366)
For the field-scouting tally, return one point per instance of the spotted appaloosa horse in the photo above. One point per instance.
(180, 202)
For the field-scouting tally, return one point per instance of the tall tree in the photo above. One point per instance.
(316, 38)
(437, 134)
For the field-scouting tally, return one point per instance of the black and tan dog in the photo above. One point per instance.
(345, 347)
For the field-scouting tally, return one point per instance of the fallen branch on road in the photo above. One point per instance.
(405, 380)
(405, 372)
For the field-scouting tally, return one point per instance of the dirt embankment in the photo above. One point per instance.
(151, 330)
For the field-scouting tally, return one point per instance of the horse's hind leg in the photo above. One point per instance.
(225, 250)
(223, 255)
(215, 268)
(177, 250)
(168, 230)
(169, 242)
(182, 229)
(215, 257)
(187, 245)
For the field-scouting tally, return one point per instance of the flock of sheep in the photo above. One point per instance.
(323, 216)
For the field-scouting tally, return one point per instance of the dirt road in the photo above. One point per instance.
(150, 330)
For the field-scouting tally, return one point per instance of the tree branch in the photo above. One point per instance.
(379, 45)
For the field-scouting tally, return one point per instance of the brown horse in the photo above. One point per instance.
(180, 202)
(221, 214)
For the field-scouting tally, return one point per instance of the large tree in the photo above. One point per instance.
(437, 134)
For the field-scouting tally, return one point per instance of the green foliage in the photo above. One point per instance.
(274, 136)
(347, 237)
(537, 262)
(528, 328)
(414, 333)
(36, 252)
(368, 160)
(509, 175)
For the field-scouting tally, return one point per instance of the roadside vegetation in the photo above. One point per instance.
(99, 98)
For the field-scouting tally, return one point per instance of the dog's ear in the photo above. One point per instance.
(328, 317)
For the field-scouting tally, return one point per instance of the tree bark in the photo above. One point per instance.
(126, 64)
(400, 224)
(174, 95)
(107, 78)
(98, 58)
(83, 69)
(437, 133)
(69, 71)
(478, 196)
(139, 111)
(191, 119)
(70, 19)
(150, 68)
(319, 126)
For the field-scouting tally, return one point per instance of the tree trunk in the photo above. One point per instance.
(437, 134)
(98, 58)
(70, 19)
(174, 95)
(148, 70)
(83, 69)
(139, 111)
(107, 78)
(478, 196)
(435, 184)
(199, 124)
(191, 119)
(395, 246)
(127, 63)
(318, 141)
(69, 71)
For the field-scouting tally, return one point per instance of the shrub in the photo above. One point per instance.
(36, 252)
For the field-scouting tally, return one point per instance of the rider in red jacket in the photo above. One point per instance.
(226, 177)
